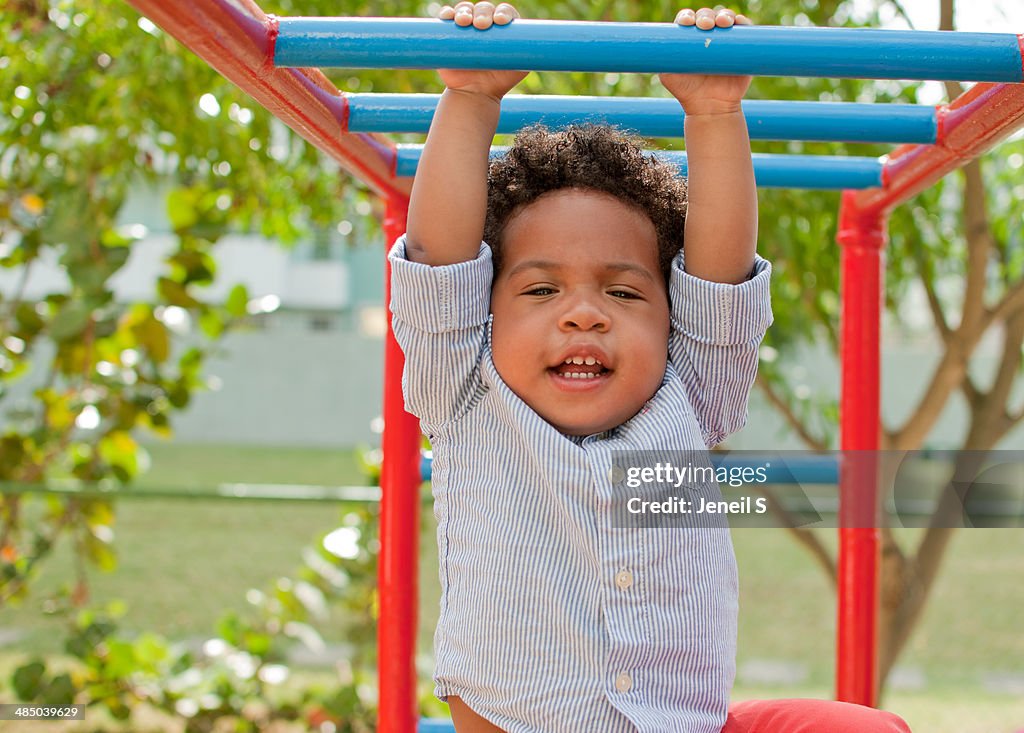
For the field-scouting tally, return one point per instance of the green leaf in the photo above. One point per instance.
(151, 335)
(60, 691)
(256, 643)
(193, 266)
(117, 238)
(237, 301)
(212, 324)
(97, 512)
(181, 208)
(230, 628)
(150, 650)
(119, 658)
(174, 293)
(30, 323)
(71, 320)
(120, 450)
(190, 363)
(12, 454)
(100, 552)
(28, 680)
(179, 396)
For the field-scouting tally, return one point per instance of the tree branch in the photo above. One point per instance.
(928, 282)
(788, 415)
(979, 245)
(804, 536)
(948, 375)
(1012, 301)
(971, 392)
(993, 405)
(960, 344)
(947, 22)
(902, 12)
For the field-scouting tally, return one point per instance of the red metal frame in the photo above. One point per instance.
(237, 39)
(398, 572)
(862, 238)
(970, 125)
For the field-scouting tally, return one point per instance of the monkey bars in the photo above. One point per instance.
(654, 117)
(771, 171)
(247, 47)
(561, 45)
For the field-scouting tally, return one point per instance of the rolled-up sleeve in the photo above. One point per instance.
(717, 330)
(440, 316)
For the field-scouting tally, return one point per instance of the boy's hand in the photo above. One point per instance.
(482, 15)
(702, 94)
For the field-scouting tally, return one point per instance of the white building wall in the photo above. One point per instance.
(296, 382)
(264, 267)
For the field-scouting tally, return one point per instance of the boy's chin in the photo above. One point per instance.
(583, 427)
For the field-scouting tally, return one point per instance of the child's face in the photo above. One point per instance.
(580, 281)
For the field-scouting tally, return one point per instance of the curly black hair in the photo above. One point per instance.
(590, 157)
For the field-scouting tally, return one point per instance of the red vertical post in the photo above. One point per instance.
(398, 569)
(862, 237)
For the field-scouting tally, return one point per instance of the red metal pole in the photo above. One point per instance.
(399, 528)
(862, 238)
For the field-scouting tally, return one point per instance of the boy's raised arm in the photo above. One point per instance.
(721, 215)
(448, 204)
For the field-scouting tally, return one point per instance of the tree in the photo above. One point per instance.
(962, 229)
(97, 100)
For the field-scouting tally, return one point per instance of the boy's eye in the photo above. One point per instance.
(540, 291)
(623, 294)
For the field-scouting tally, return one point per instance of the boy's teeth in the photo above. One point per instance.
(589, 360)
(580, 375)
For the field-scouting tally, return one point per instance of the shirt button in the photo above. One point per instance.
(624, 579)
(623, 683)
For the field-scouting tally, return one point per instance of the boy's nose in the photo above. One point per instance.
(584, 316)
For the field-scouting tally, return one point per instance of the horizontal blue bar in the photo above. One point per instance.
(435, 725)
(771, 171)
(807, 469)
(551, 45)
(658, 117)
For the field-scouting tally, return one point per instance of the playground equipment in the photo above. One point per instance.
(250, 48)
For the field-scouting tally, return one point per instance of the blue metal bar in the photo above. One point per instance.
(659, 117)
(785, 467)
(550, 45)
(771, 171)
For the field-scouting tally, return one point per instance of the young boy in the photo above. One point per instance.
(577, 332)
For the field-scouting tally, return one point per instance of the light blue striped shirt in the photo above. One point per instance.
(552, 618)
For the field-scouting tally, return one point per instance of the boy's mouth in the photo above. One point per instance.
(582, 368)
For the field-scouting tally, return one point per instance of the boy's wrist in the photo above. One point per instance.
(476, 96)
(711, 108)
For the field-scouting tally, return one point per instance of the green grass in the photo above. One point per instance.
(183, 563)
(971, 625)
(203, 465)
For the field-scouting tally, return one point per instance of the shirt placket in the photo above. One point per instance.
(625, 609)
